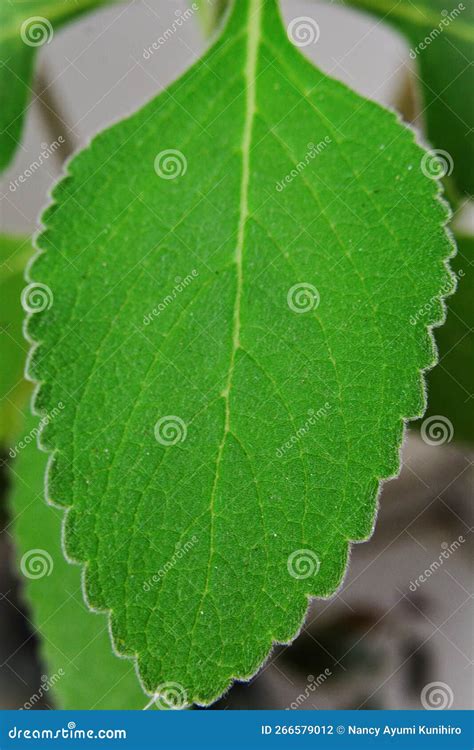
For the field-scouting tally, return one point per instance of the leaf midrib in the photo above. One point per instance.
(254, 21)
(253, 31)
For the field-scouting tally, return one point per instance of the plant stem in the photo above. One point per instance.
(54, 117)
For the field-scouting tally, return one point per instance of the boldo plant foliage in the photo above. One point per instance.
(221, 302)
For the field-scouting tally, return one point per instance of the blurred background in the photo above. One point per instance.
(401, 624)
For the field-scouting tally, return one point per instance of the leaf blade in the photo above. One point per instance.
(223, 372)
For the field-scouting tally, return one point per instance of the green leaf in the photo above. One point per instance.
(233, 270)
(81, 671)
(14, 254)
(441, 39)
(26, 26)
(450, 398)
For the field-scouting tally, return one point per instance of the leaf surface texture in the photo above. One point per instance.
(441, 40)
(181, 299)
